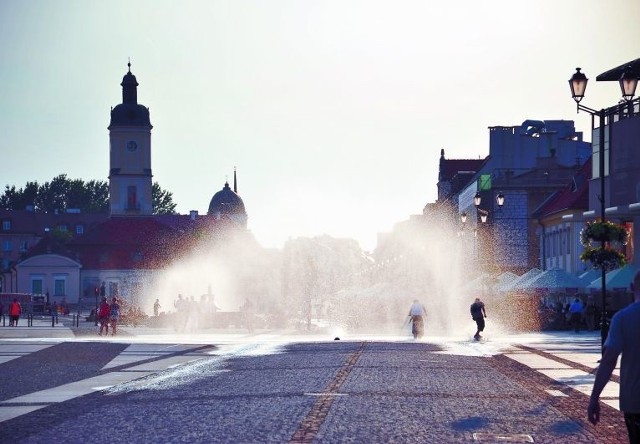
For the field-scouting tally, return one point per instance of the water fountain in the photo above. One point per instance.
(326, 285)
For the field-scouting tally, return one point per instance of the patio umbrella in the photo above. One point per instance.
(506, 279)
(589, 276)
(616, 279)
(522, 280)
(476, 283)
(556, 280)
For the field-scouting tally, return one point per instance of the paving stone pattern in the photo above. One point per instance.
(331, 392)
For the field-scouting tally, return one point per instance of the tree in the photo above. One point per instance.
(62, 194)
(162, 200)
(19, 199)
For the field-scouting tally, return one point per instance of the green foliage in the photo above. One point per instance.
(162, 200)
(63, 194)
(62, 236)
(603, 232)
(606, 258)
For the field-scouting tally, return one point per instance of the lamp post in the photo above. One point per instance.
(484, 214)
(578, 84)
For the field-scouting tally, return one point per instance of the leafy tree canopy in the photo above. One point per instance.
(63, 194)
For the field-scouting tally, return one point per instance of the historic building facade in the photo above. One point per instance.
(120, 251)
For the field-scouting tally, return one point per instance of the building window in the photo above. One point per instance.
(547, 246)
(59, 287)
(36, 285)
(79, 229)
(24, 246)
(63, 227)
(6, 245)
(6, 225)
(132, 197)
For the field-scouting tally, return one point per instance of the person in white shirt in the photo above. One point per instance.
(417, 312)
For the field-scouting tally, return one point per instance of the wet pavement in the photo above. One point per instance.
(67, 384)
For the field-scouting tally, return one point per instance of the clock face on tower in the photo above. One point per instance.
(132, 145)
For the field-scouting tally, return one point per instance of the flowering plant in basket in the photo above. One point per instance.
(606, 258)
(603, 232)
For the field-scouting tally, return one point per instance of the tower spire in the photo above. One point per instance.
(235, 181)
(129, 87)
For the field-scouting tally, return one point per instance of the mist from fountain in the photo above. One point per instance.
(328, 285)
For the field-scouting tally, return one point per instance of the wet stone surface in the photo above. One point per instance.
(333, 392)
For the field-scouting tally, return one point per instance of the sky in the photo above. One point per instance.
(333, 112)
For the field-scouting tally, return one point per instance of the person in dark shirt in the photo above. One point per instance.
(478, 314)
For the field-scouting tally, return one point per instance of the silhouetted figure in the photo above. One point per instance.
(575, 314)
(114, 315)
(623, 338)
(478, 313)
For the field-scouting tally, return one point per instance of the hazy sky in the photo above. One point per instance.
(334, 112)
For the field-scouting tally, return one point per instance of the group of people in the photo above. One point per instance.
(417, 313)
(108, 315)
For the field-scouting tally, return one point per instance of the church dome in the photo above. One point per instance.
(227, 203)
(129, 114)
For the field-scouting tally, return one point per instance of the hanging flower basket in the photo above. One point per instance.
(606, 258)
(603, 232)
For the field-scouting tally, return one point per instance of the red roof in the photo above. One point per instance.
(125, 243)
(575, 196)
(129, 243)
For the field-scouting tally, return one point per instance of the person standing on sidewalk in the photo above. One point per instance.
(623, 338)
(478, 313)
(103, 316)
(156, 307)
(15, 310)
(114, 315)
(575, 314)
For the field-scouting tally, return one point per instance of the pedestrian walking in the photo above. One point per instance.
(417, 313)
(114, 315)
(478, 314)
(15, 310)
(623, 339)
(103, 316)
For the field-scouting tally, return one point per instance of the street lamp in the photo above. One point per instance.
(578, 84)
(477, 199)
(484, 214)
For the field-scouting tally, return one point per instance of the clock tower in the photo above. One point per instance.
(130, 178)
